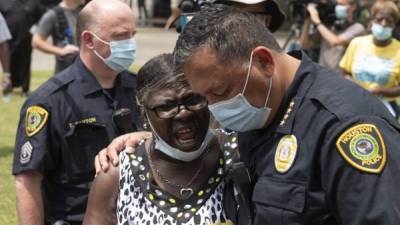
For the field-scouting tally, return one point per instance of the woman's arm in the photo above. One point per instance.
(390, 92)
(103, 199)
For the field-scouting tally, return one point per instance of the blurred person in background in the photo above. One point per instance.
(333, 39)
(20, 15)
(266, 11)
(59, 23)
(373, 61)
(363, 12)
(5, 59)
(175, 13)
(73, 115)
(142, 9)
(396, 30)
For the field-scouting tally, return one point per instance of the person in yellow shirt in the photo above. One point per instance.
(373, 61)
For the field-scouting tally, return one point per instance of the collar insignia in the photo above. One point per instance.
(287, 113)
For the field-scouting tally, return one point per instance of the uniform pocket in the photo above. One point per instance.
(278, 202)
(84, 142)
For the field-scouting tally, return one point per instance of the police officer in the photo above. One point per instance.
(73, 115)
(320, 150)
(20, 15)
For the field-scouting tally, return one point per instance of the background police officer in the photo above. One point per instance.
(315, 155)
(70, 118)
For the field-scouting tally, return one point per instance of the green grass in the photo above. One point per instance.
(9, 116)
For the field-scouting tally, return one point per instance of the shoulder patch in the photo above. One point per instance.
(35, 118)
(363, 147)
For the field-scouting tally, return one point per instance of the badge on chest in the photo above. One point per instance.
(285, 154)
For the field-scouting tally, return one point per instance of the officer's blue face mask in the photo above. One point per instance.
(380, 32)
(341, 12)
(238, 114)
(123, 53)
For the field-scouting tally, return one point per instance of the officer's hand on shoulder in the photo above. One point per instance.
(126, 142)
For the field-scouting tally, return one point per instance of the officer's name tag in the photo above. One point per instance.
(83, 121)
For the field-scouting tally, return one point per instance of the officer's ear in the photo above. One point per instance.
(264, 60)
(87, 39)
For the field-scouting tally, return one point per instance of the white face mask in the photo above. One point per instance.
(123, 53)
(380, 32)
(177, 154)
(238, 114)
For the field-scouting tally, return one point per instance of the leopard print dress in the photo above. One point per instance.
(141, 202)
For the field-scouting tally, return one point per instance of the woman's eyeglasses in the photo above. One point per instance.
(171, 109)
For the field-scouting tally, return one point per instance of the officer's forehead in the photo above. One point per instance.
(100, 11)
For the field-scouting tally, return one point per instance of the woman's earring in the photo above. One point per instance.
(145, 126)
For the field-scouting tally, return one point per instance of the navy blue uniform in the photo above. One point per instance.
(62, 127)
(331, 157)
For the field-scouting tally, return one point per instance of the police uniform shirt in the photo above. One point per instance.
(331, 156)
(62, 127)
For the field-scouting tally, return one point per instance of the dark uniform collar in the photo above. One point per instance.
(89, 83)
(283, 122)
(302, 81)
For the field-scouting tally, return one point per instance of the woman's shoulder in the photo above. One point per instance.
(395, 44)
(228, 142)
(127, 159)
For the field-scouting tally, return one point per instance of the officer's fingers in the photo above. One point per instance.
(131, 146)
(97, 165)
(103, 160)
(113, 154)
(134, 140)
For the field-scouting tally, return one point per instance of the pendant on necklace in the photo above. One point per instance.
(186, 192)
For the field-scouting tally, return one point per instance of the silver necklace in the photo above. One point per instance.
(185, 190)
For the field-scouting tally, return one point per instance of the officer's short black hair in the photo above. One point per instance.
(156, 74)
(233, 34)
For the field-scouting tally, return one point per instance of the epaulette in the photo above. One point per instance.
(55, 83)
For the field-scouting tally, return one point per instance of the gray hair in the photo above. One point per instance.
(231, 33)
(156, 74)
